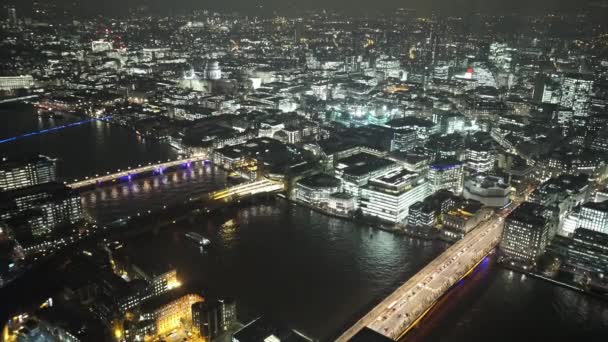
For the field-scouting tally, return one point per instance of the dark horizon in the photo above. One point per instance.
(268, 7)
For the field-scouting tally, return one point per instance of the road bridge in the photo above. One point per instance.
(129, 172)
(406, 306)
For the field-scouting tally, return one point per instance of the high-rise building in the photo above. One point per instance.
(20, 173)
(446, 175)
(576, 93)
(501, 56)
(526, 233)
(389, 197)
(12, 16)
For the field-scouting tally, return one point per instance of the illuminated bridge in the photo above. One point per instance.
(247, 189)
(405, 307)
(53, 129)
(130, 172)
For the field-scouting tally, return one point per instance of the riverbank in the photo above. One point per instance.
(537, 275)
(428, 235)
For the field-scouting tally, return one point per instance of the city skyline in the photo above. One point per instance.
(321, 171)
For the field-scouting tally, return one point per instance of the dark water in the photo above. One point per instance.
(108, 203)
(315, 272)
(85, 150)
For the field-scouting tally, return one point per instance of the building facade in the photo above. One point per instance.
(389, 197)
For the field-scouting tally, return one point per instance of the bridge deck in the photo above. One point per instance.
(402, 309)
(124, 173)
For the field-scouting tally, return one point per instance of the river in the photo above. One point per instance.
(314, 272)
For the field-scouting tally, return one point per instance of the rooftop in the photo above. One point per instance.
(529, 212)
(362, 163)
(320, 180)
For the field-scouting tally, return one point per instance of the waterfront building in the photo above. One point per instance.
(526, 233)
(462, 218)
(29, 171)
(41, 207)
(213, 317)
(492, 191)
(153, 285)
(426, 213)
(586, 251)
(10, 83)
(317, 189)
(389, 197)
(342, 203)
(169, 314)
(446, 175)
(356, 170)
(263, 329)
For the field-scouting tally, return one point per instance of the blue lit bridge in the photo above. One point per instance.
(53, 129)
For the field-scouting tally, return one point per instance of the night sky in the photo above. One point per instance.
(268, 6)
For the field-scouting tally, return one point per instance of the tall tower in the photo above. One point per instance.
(12, 16)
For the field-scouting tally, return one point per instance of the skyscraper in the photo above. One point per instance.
(576, 92)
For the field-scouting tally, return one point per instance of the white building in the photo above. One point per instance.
(389, 197)
(8, 83)
(317, 189)
(594, 216)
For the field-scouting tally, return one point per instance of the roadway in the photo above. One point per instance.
(401, 310)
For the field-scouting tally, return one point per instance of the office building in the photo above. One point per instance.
(594, 216)
(586, 251)
(389, 197)
(426, 213)
(446, 175)
(479, 159)
(526, 233)
(492, 191)
(169, 313)
(213, 317)
(21, 173)
(576, 93)
(316, 189)
(42, 207)
(356, 170)
(463, 217)
(153, 285)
